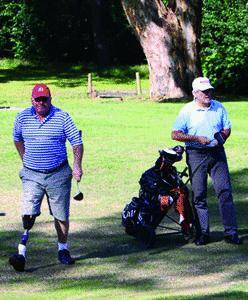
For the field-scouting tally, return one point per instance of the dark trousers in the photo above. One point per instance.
(212, 162)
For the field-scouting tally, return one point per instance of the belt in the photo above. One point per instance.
(64, 163)
(205, 150)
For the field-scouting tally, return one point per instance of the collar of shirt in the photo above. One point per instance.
(50, 114)
(198, 107)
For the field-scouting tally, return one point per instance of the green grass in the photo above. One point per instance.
(121, 141)
(66, 81)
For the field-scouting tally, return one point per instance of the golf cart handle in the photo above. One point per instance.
(184, 173)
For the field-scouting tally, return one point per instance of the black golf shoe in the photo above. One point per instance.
(65, 258)
(202, 240)
(233, 239)
(17, 261)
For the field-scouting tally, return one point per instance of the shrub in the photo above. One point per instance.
(225, 44)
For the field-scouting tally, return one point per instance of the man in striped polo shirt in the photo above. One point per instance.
(40, 134)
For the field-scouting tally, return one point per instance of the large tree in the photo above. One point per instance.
(169, 33)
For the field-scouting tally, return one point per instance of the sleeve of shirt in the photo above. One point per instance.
(71, 132)
(181, 122)
(17, 130)
(225, 119)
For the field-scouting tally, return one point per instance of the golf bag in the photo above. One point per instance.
(161, 189)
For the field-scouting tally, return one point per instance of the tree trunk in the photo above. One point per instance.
(169, 37)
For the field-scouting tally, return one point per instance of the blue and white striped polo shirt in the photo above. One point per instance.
(195, 120)
(45, 142)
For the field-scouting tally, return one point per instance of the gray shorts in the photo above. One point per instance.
(56, 186)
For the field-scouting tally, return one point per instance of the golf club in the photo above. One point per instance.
(79, 195)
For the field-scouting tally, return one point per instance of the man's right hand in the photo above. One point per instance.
(20, 148)
(180, 136)
(203, 140)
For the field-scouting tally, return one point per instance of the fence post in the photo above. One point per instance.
(138, 84)
(90, 84)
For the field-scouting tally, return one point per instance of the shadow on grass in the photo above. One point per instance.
(226, 295)
(239, 181)
(71, 76)
(67, 75)
(109, 259)
(62, 74)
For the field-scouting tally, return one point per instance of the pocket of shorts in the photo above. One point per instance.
(61, 177)
(68, 171)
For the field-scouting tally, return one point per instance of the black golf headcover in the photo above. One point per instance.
(179, 149)
(170, 155)
(220, 137)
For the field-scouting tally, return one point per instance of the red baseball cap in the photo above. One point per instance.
(40, 90)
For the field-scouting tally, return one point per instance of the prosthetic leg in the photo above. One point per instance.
(18, 260)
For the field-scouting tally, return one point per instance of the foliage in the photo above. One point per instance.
(20, 29)
(225, 44)
(62, 31)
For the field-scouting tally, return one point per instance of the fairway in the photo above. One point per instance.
(121, 140)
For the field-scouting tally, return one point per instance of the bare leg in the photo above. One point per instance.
(62, 228)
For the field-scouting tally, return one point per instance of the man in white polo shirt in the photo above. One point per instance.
(204, 126)
(40, 134)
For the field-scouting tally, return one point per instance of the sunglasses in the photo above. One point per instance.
(207, 91)
(41, 99)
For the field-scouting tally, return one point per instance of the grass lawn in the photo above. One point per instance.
(121, 141)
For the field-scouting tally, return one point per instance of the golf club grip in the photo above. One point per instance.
(198, 166)
(80, 133)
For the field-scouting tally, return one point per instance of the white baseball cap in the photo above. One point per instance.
(201, 84)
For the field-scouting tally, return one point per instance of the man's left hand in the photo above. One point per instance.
(77, 173)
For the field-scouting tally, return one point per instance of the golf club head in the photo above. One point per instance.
(79, 196)
(17, 261)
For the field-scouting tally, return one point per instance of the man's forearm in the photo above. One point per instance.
(226, 132)
(20, 148)
(183, 137)
(78, 155)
